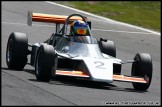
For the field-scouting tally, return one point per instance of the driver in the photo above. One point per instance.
(79, 29)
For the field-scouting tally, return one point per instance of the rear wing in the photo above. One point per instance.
(57, 19)
(40, 17)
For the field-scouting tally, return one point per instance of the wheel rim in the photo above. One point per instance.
(9, 50)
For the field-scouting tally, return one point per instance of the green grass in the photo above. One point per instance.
(141, 13)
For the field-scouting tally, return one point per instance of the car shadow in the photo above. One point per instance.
(68, 81)
(25, 70)
(4, 68)
(80, 82)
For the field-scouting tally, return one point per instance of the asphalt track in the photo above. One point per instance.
(21, 87)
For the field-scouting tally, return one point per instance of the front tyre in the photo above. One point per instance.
(44, 62)
(17, 50)
(142, 67)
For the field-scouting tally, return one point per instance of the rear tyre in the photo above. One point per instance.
(108, 47)
(17, 50)
(45, 62)
(142, 67)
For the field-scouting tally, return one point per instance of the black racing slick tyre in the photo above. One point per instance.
(108, 47)
(45, 61)
(17, 50)
(142, 67)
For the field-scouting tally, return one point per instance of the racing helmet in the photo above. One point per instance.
(79, 28)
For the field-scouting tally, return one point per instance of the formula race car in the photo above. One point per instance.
(66, 55)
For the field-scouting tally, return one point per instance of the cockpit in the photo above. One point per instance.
(84, 39)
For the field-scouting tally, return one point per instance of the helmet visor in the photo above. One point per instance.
(81, 31)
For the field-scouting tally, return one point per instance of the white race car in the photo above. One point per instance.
(62, 55)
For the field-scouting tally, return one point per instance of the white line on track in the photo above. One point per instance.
(113, 21)
(121, 31)
(22, 24)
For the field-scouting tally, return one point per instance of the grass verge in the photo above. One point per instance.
(145, 14)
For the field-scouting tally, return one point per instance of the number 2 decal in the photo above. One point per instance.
(99, 64)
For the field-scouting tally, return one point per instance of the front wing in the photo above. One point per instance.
(115, 77)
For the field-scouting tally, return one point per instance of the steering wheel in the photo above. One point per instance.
(64, 29)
